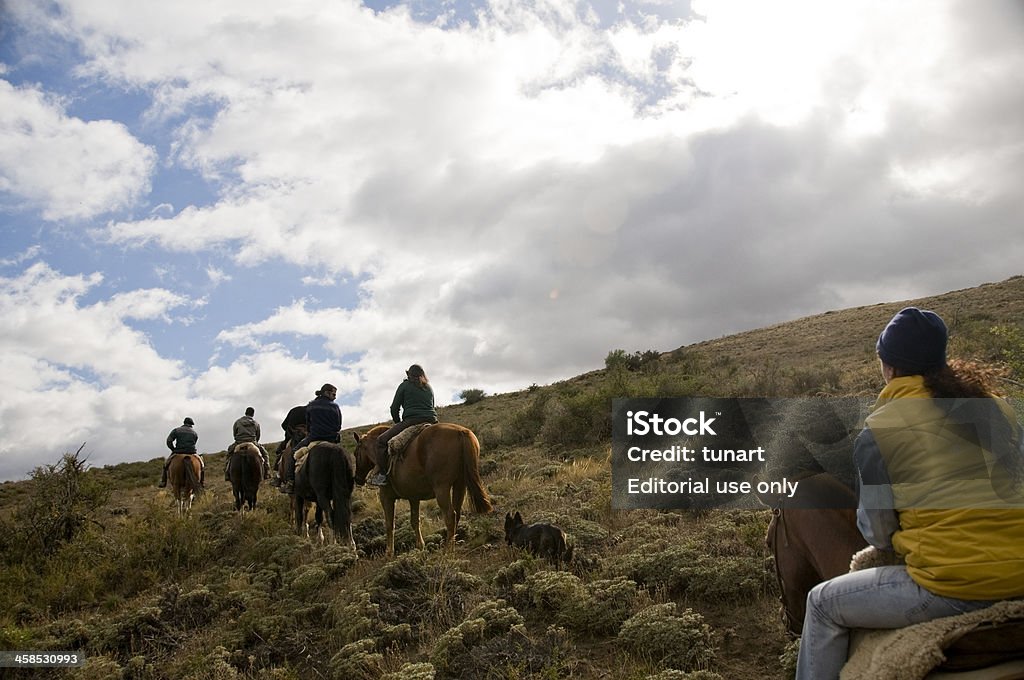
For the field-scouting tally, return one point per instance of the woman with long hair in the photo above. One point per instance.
(940, 466)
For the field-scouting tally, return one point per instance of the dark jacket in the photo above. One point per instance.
(246, 429)
(182, 439)
(413, 400)
(323, 420)
(296, 416)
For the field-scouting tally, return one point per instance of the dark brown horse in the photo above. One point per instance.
(326, 478)
(812, 537)
(183, 475)
(246, 472)
(442, 462)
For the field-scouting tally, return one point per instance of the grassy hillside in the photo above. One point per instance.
(95, 560)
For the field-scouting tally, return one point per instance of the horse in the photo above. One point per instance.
(326, 478)
(286, 453)
(812, 536)
(246, 472)
(294, 426)
(442, 462)
(816, 538)
(183, 473)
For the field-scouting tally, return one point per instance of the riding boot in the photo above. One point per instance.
(163, 478)
(227, 466)
(202, 476)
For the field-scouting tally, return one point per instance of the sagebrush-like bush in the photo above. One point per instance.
(412, 671)
(488, 619)
(358, 660)
(596, 608)
(665, 636)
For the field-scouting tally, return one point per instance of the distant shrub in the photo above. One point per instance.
(1011, 349)
(618, 359)
(575, 419)
(472, 396)
(664, 636)
(524, 425)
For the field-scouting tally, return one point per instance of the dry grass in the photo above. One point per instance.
(283, 607)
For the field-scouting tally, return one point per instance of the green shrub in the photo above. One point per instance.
(412, 671)
(419, 588)
(488, 619)
(688, 569)
(596, 608)
(358, 660)
(472, 396)
(662, 635)
(63, 499)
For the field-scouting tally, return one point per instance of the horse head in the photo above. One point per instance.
(366, 452)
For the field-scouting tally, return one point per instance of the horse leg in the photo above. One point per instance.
(458, 496)
(444, 502)
(414, 520)
(387, 504)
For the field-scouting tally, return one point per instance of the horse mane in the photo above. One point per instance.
(376, 431)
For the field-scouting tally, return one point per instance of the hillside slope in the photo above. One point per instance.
(96, 561)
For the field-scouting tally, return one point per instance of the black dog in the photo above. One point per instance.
(545, 540)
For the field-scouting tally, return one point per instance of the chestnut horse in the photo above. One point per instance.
(246, 472)
(442, 462)
(183, 474)
(812, 537)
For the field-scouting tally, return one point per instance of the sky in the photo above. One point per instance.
(211, 205)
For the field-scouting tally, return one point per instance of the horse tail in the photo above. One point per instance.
(471, 466)
(344, 482)
(190, 476)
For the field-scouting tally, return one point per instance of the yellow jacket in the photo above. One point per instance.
(946, 467)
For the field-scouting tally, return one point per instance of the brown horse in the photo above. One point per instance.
(183, 474)
(441, 462)
(246, 472)
(812, 537)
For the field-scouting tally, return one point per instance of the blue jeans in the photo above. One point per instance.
(882, 597)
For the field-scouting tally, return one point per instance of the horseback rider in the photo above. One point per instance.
(246, 429)
(183, 439)
(939, 464)
(323, 424)
(294, 426)
(414, 401)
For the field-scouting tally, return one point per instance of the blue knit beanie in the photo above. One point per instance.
(914, 340)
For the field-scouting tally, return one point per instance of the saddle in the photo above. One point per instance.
(300, 456)
(400, 442)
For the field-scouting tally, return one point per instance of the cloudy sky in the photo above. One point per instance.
(212, 204)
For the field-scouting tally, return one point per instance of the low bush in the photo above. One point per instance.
(662, 635)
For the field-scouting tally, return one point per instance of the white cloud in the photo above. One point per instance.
(518, 195)
(69, 168)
